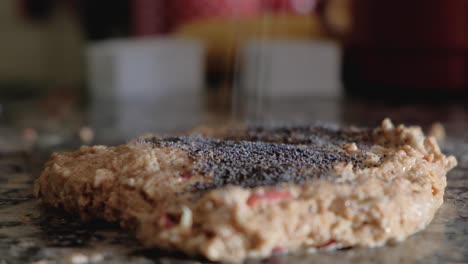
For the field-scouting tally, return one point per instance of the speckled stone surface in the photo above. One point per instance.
(31, 234)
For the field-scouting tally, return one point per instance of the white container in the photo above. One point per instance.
(145, 85)
(290, 68)
(145, 69)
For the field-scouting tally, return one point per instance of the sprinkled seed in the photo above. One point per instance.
(269, 156)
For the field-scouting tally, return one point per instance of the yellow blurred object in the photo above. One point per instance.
(223, 37)
(339, 15)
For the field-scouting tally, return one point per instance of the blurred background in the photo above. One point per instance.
(63, 45)
(106, 71)
(87, 72)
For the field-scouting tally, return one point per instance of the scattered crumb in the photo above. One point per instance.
(387, 125)
(96, 257)
(86, 135)
(371, 159)
(79, 258)
(40, 262)
(437, 130)
(29, 135)
(25, 219)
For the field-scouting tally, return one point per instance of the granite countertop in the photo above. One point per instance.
(30, 234)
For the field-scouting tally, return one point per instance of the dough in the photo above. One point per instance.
(256, 191)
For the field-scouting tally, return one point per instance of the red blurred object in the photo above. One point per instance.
(183, 11)
(291, 6)
(149, 17)
(407, 47)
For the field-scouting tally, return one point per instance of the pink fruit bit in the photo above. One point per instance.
(168, 221)
(270, 196)
(186, 175)
(328, 244)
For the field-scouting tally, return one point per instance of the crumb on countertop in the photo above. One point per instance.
(437, 130)
(86, 134)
